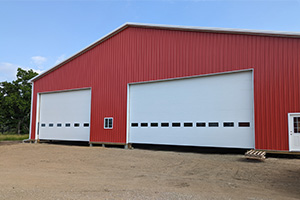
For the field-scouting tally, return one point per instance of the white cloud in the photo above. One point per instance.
(60, 59)
(8, 71)
(35, 70)
(38, 60)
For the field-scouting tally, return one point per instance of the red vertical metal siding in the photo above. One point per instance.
(141, 54)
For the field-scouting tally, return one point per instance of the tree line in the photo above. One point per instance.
(15, 103)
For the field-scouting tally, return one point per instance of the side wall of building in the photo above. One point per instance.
(141, 54)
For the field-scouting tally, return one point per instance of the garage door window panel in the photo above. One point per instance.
(154, 124)
(164, 124)
(213, 124)
(86, 125)
(134, 124)
(200, 124)
(244, 124)
(188, 124)
(144, 124)
(228, 124)
(176, 124)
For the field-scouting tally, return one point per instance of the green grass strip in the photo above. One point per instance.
(13, 137)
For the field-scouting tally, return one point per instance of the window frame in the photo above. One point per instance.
(112, 123)
(164, 124)
(68, 124)
(144, 124)
(200, 124)
(154, 124)
(176, 124)
(59, 125)
(244, 124)
(134, 124)
(228, 124)
(213, 124)
(86, 124)
(188, 124)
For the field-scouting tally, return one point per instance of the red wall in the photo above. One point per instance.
(140, 54)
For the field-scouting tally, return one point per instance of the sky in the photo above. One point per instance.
(39, 34)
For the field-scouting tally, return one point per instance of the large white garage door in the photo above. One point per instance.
(65, 115)
(214, 111)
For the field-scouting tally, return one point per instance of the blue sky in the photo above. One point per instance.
(39, 34)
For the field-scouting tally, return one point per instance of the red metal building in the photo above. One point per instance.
(239, 79)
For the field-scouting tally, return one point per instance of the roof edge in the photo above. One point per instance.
(171, 27)
(218, 30)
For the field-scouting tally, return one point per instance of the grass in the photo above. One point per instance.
(13, 137)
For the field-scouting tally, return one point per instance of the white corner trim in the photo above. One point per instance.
(30, 125)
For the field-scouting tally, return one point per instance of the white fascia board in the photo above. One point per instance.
(221, 30)
(172, 27)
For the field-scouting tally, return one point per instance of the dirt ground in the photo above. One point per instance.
(48, 171)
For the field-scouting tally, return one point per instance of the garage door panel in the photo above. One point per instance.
(65, 115)
(201, 138)
(217, 98)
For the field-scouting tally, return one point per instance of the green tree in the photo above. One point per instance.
(15, 102)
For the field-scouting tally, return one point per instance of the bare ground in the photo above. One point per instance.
(45, 171)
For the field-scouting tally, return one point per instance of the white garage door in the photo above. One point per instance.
(214, 111)
(65, 115)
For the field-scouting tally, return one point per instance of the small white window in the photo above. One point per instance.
(108, 123)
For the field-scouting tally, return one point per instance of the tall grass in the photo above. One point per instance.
(13, 137)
